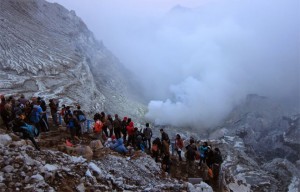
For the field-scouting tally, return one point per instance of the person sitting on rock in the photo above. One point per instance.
(27, 131)
(119, 147)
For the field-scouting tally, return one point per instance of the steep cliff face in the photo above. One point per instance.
(265, 138)
(48, 51)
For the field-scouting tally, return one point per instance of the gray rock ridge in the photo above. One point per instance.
(265, 136)
(46, 50)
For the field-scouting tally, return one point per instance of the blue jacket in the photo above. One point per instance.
(119, 146)
(202, 149)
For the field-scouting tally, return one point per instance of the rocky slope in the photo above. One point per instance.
(265, 135)
(25, 169)
(46, 50)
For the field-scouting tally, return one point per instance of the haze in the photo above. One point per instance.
(197, 59)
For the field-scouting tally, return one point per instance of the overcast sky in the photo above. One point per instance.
(197, 59)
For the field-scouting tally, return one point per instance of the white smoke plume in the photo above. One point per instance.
(197, 60)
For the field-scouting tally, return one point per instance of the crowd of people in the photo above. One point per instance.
(29, 117)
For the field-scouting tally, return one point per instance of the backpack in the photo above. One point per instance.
(80, 115)
(31, 130)
(81, 118)
(35, 117)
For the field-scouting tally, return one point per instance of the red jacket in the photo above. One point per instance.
(178, 144)
(130, 128)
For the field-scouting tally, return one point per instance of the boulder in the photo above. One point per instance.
(96, 144)
(84, 151)
(5, 139)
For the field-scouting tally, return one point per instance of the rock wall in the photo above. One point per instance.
(46, 50)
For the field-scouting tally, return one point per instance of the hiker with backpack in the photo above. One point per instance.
(44, 120)
(124, 129)
(53, 110)
(165, 148)
(109, 124)
(36, 115)
(139, 140)
(148, 135)
(67, 112)
(28, 131)
(203, 151)
(80, 118)
(117, 125)
(73, 126)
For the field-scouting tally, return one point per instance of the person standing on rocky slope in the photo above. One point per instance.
(203, 150)
(130, 131)
(98, 130)
(105, 122)
(178, 146)
(5, 112)
(165, 142)
(190, 155)
(209, 156)
(117, 124)
(44, 120)
(124, 129)
(109, 124)
(53, 110)
(217, 161)
(148, 135)
(36, 114)
(81, 119)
